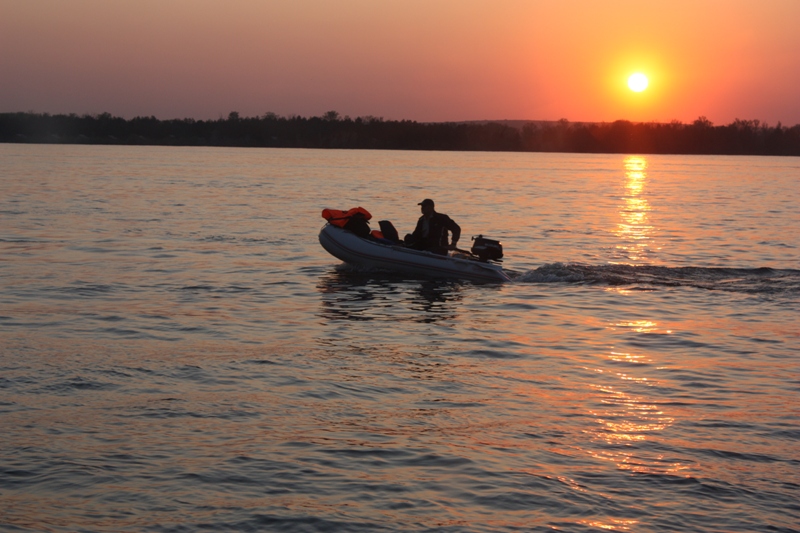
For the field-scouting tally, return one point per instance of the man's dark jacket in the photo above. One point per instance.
(436, 239)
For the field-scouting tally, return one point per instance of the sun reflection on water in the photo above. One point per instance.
(621, 357)
(635, 229)
(625, 422)
(641, 326)
(627, 416)
(611, 524)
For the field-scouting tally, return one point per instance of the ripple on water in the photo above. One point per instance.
(163, 370)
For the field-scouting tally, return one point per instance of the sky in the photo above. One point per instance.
(422, 60)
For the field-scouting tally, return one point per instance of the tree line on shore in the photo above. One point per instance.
(741, 137)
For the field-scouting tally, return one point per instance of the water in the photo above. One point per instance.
(180, 354)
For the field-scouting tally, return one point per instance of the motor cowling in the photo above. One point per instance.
(487, 249)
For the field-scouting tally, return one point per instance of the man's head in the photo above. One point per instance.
(427, 206)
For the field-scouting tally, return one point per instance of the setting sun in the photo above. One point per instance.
(637, 82)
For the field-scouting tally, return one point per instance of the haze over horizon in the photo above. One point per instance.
(449, 60)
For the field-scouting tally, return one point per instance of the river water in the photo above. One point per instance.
(180, 354)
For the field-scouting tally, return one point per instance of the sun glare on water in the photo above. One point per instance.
(637, 82)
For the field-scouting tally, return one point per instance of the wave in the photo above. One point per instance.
(755, 280)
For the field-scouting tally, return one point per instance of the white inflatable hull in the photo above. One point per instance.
(354, 250)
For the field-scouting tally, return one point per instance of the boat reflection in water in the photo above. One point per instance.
(349, 294)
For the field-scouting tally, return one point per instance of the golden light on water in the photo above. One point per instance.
(611, 524)
(625, 419)
(625, 412)
(620, 357)
(634, 230)
(641, 326)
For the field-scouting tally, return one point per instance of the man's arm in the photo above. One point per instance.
(455, 229)
(417, 233)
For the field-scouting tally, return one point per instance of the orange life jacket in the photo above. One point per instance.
(340, 218)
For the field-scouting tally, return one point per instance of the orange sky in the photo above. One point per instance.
(424, 60)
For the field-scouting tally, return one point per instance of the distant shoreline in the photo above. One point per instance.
(741, 137)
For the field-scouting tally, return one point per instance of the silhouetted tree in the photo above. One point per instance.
(332, 131)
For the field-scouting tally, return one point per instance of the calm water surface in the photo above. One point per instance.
(178, 353)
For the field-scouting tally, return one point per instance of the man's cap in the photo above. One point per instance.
(426, 201)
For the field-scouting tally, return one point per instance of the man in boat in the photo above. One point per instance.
(432, 229)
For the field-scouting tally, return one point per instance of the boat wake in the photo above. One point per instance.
(757, 280)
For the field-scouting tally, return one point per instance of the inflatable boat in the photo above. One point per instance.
(381, 253)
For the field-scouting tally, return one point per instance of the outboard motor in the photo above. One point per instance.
(487, 249)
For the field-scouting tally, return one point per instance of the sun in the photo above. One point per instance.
(637, 82)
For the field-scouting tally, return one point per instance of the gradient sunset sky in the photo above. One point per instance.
(423, 60)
